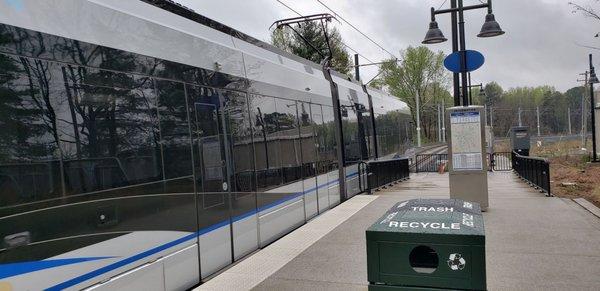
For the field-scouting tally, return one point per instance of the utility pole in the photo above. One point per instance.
(569, 117)
(356, 68)
(583, 119)
(417, 101)
(439, 123)
(443, 121)
(492, 117)
(593, 80)
(537, 110)
(520, 122)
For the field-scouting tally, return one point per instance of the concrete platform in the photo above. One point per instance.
(533, 242)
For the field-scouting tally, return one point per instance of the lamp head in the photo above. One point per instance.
(434, 34)
(490, 27)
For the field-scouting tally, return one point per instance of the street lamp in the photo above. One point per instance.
(434, 35)
(593, 80)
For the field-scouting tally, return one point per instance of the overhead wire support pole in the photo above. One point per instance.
(356, 68)
(537, 110)
(569, 117)
(417, 103)
(443, 121)
(583, 118)
(593, 79)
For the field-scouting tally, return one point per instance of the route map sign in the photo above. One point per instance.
(466, 140)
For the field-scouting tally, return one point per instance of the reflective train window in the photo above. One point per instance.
(239, 140)
(266, 141)
(174, 129)
(289, 139)
(352, 146)
(318, 140)
(110, 136)
(308, 150)
(326, 132)
(29, 141)
(239, 133)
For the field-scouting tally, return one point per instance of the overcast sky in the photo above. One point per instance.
(539, 47)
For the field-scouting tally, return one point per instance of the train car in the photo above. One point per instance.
(147, 147)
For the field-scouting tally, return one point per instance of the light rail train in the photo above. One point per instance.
(146, 147)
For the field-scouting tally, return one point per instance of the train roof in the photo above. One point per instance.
(189, 13)
(166, 30)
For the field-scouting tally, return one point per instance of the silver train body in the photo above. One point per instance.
(146, 147)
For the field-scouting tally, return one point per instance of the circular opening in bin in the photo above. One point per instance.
(424, 259)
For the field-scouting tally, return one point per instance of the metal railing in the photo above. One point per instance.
(381, 173)
(501, 161)
(536, 171)
(430, 162)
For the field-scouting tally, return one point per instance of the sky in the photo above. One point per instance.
(542, 44)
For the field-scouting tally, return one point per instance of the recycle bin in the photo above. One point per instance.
(427, 244)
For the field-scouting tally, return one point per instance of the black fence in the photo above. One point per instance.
(536, 171)
(430, 162)
(381, 173)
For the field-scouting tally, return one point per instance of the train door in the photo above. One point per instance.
(212, 180)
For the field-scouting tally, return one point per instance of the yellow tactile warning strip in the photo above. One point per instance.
(253, 270)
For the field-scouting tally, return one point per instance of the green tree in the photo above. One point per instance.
(420, 73)
(493, 93)
(289, 41)
(574, 97)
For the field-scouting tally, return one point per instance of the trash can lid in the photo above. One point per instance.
(432, 216)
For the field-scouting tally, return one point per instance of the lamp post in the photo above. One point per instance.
(434, 35)
(593, 80)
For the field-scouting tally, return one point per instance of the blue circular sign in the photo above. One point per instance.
(474, 61)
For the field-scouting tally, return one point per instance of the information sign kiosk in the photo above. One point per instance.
(467, 154)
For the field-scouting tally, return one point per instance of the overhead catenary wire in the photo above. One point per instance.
(444, 3)
(345, 45)
(358, 30)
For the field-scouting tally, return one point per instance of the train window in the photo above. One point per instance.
(240, 143)
(110, 135)
(320, 139)
(308, 141)
(174, 129)
(29, 140)
(367, 125)
(352, 146)
(263, 116)
(240, 139)
(328, 154)
(289, 139)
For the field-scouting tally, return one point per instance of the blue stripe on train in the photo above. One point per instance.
(184, 239)
(14, 269)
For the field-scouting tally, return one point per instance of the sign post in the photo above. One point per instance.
(467, 154)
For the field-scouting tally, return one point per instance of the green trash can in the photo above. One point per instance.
(427, 244)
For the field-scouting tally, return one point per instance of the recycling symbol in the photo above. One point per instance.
(456, 262)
